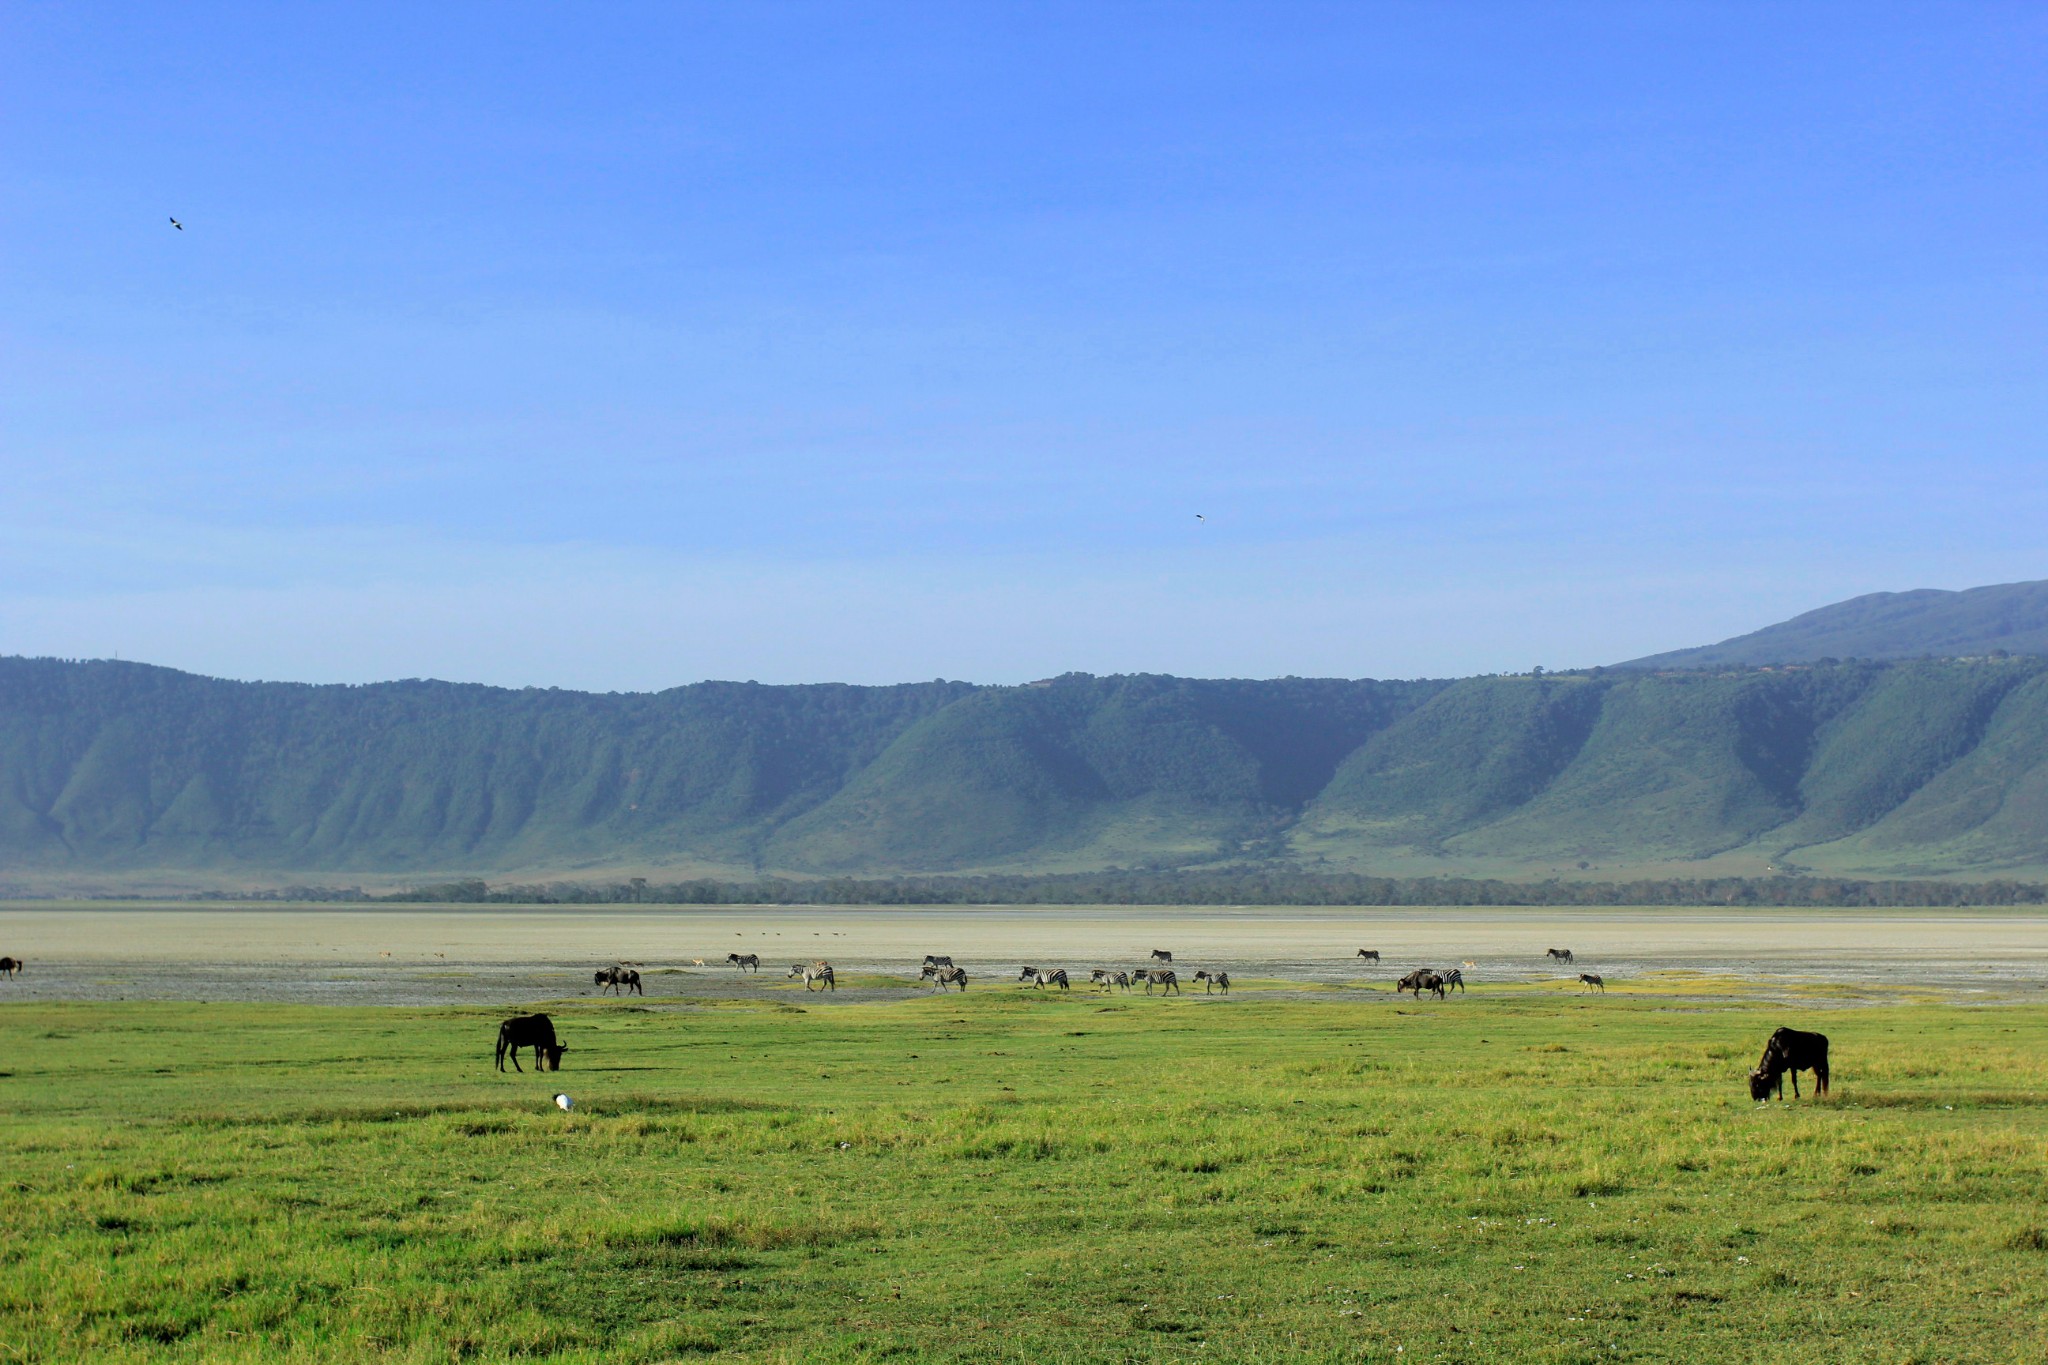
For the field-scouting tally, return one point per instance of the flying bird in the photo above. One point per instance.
(178, 225)
(563, 1102)
(1200, 517)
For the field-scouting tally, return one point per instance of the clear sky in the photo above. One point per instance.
(622, 346)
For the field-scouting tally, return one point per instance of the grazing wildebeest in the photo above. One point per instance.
(620, 979)
(536, 1031)
(1420, 980)
(11, 965)
(932, 961)
(1209, 979)
(1109, 980)
(1162, 977)
(816, 971)
(1161, 955)
(751, 962)
(1561, 954)
(1793, 1051)
(1369, 954)
(1040, 980)
(944, 976)
(1588, 981)
(1454, 980)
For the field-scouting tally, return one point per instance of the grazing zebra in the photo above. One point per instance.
(620, 979)
(1040, 980)
(816, 971)
(1420, 980)
(944, 976)
(1454, 980)
(1217, 979)
(1161, 955)
(1588, 981)
(11, 965)
(1561, 954)
(1109, 980)
(751, 962)
(1369, 954)
(931, 961)
(1162, 977)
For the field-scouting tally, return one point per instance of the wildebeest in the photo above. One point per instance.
(11, 965)
(1793, 1051)
(620, 979)
(1561, 954)
(933, 961)
(536, 1031)
(750, 962)
(1454, 980)
(1161, 977)
(1588, 981)
(1420, 980)
(1369, 954)
(1040, 980)
(816, 971)
(1161, 955)
(1109, 980)
(1213, 979)
(944, 976)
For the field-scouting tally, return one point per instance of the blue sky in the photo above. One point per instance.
(619, 347)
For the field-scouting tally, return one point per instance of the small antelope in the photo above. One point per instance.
(815, 971)
(1159, 976)
(1210, 979)
(1040, 980)
(1109, 980)
(1588, 981)
(751, 962)
(944, 976)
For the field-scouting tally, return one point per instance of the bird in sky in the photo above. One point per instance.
(178, 225)
(1200, 517)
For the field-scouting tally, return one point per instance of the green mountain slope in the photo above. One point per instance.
(1888, 625)
(1911, 768)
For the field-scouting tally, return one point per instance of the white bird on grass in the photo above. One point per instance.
(563, 1102)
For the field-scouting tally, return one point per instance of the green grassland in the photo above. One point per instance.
(1525, 1175)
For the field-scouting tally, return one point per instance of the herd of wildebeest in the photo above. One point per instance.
(1787, 1051)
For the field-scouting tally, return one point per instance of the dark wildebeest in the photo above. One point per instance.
(1454, 980)
(1793, 1051)
(1040, 980)
(1588, 981)
(933, 961)
(1420, 980)
(620, 979)
(1161, 955)
(1561, 954)
(1162, 977)
(751, 962)
(1369, 954)
(1213, 979)
(944, 976)
(11, 965)
(816, 971)
(536, 1031)
(1109, 980)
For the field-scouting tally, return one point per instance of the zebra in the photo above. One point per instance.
(1161, 955)
(944, 976)
(751, 962)
(1369, 954)
(1563, 955)
(816, 971)
(1454, 980)
(1158, 976)
(1109, 980)
(1040, 980)
(931, 961)
(1209, 979)
(1588, 981)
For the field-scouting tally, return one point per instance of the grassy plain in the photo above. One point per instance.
(1522, 1174)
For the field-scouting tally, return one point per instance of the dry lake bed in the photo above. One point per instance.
(507, 954)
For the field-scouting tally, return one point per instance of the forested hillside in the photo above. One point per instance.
(1899, 769)
(2007, 617)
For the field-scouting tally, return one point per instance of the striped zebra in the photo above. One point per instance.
(1040, 980)
(1161, 955)
(1162, 977)
(816, 971)
(1109, 980)
(1211, 979)
(931, 960)
(944, 976)
(1454, 980)
(749, 962)
(1369, 954)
